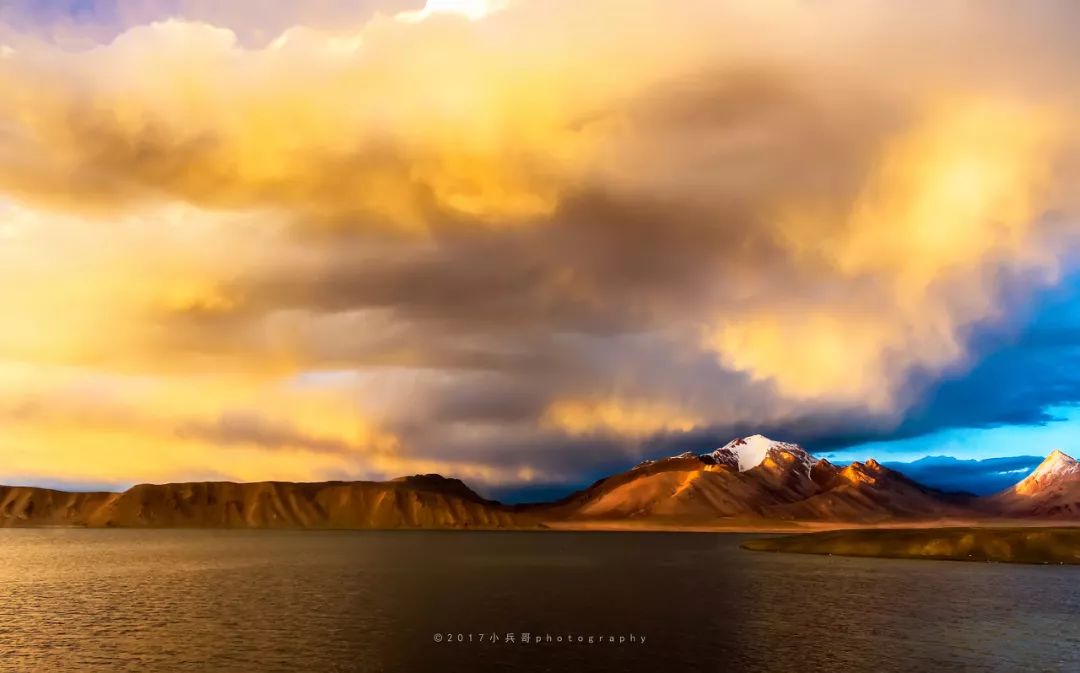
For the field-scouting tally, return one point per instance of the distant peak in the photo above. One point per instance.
(1057, 461)
(1057, 466)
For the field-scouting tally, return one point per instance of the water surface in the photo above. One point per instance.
(185, 600)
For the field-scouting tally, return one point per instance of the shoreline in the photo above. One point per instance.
(1031, 545)
(793, 529)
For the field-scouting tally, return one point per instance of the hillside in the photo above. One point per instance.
(1051, 491)
(749, 479)
(427, 501)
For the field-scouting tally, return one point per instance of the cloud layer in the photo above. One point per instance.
(980, 477)
(514, 241)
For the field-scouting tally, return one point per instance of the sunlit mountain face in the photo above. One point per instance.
(527, 243)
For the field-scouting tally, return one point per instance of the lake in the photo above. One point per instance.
(197, 600)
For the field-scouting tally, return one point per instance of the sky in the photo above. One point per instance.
(527, 243)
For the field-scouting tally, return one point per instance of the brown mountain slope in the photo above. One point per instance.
(1051, 491)
(680, 486)
(870, 492)
(787, 483)
(749, 478)
(427, 501)
(30, 506)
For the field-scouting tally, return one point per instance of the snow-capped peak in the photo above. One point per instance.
(751, 451)
(1057, 465)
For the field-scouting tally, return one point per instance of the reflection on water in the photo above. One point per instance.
(371, 601)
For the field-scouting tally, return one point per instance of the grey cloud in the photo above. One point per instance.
(246, 428)
(481, 324)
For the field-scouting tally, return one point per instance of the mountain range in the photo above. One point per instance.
(756, 477)
(749, 479)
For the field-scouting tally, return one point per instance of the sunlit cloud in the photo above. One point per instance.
(949, 206)
(625, 418)
(473, 10)
(511, 241)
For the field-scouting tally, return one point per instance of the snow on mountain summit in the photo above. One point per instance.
(751, 451)
(1055, 467)
(1051, 491)
(1057, 461)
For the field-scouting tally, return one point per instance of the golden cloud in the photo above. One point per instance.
(492, 214)
(627, 418)
(957, 196)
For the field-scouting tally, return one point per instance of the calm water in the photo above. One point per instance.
(370, 601)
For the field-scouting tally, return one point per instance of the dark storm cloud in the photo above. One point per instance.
(599, 266)
(552, 244)
(607, 295)
(980, 477)
(1020, 377)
